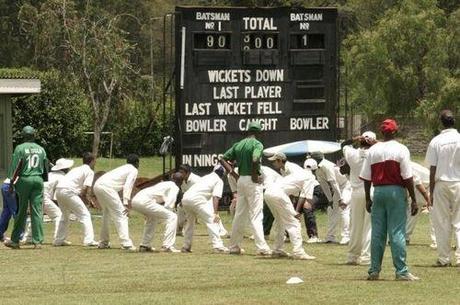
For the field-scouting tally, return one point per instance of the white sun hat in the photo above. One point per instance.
(369, 136)
(311, 164)
(62, 164)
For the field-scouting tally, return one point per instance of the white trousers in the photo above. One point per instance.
(360, 233)
(412, 220)
(156, 213)
(200, 208)
(181, 217)
(72, 203)
(250, 204)
(446, 218)
(53, 212)
(337, 216)
(432, 232)
(284, 214)
(112, 209)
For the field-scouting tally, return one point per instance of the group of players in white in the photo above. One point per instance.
(186, 198)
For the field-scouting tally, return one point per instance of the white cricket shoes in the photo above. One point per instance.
(62, 243)
(304, 256)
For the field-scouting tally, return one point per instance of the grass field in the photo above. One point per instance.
(148, 167)
(77, 275)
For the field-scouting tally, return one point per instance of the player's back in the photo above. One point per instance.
(33, 157)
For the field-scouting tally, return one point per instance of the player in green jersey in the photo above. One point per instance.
(29, 168)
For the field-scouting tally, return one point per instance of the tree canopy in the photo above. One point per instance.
(397, 56)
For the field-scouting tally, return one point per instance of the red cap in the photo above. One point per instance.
(389, 126)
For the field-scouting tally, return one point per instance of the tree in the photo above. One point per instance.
(59, 114)
(401, 61)
(93, 49)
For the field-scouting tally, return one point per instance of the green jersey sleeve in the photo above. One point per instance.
(257, 152)
(230, 154)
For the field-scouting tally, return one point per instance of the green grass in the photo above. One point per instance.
(77, 275)
(149, 167)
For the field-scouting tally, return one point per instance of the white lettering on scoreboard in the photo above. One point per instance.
(206, 125)
(309, 123)
(246, 76)
(201, 160)
(215, 16)
(306, 16)
(248, 92)
(259, 23)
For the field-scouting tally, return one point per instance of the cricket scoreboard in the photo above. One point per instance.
(236, 65)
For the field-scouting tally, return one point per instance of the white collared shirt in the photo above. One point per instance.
(49, 187)
(165, 191)
(355, 158)
(342, 179)
(120, 178)
(290, 168)
(207, 187)
(269, 176)
(77, 179)
(444, 153)
(299, 184)
(192, 179)
(325, 174)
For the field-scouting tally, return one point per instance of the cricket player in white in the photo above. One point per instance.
(196, 205)
(157, 204)
(190, 179)
(421, 176)
(286, 218)
(106, 190)
(269, 176)
(443, 157)
(360, 236)
(71, 190)
(50, 208)
(285, 167)
(332, 184)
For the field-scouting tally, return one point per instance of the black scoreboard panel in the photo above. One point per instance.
(236, 65)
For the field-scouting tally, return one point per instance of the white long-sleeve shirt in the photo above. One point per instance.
(49, 187)
(299, 184)
(355, 158)
(120, 179)
(327, 179)
(207, 187)
(77, 179)
(165, 191)
(192, 179)
(290, 168)
(269, 176)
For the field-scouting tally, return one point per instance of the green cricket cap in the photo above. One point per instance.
(254, 126)
(28, 130)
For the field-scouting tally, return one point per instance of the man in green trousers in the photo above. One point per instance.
(387, 167)
(27, 172)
